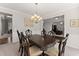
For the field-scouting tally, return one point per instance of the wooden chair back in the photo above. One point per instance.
(43, 32)
(48, 38)
(28, 33)
(19, 36)
(25, 44)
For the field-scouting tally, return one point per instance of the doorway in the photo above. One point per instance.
(6, 26)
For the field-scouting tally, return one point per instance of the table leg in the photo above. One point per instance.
(43, 53)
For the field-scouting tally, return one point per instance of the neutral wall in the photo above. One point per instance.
(18, 22)
(0, 24)
(37, 28)
(74, 31)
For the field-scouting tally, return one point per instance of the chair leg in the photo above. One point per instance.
(63, 50)
(21, 51)
(25, 53)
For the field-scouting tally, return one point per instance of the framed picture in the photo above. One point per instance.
(74, 23)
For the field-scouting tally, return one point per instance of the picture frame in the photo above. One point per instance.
(74, 23)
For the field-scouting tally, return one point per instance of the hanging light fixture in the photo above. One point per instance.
(35, 18)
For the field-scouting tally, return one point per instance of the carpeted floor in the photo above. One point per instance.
(69, 51)
(11, 49)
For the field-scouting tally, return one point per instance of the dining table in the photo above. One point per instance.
(39, 41)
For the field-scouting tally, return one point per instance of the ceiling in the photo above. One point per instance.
(42, 8)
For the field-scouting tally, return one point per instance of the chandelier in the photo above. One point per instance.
(36, 18)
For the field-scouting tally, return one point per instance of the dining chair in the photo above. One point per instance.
(20, 43)
(64, 44)
(28, 33)
(54, 51)
(52, 32)
(27, 50)
(49, 41)
(50, 38)
(43, 32)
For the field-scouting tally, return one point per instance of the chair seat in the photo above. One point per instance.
(35, 51)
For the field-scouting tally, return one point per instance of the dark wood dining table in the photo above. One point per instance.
(38, 40)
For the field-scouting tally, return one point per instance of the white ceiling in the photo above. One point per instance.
(42, 8)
